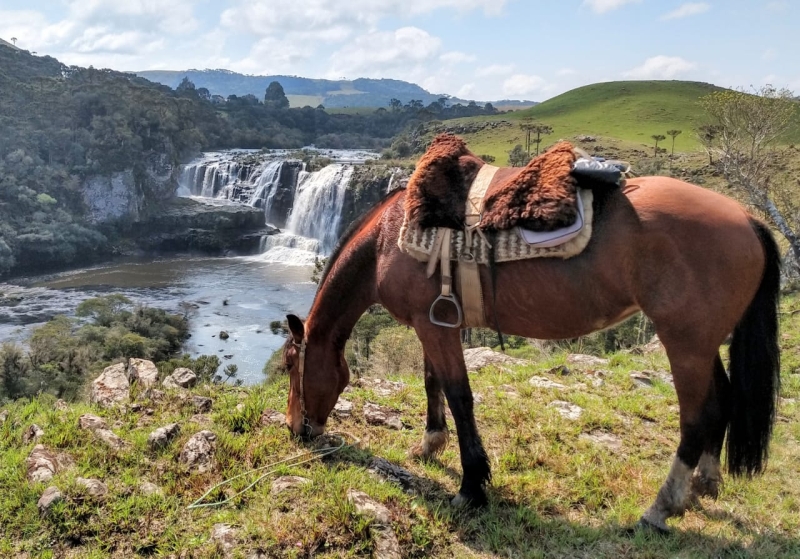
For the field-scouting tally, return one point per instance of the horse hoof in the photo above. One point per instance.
(646, 525)
(462, 501)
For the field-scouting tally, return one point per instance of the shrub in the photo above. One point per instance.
(394, 350)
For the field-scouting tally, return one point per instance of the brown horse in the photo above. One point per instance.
(693, 261)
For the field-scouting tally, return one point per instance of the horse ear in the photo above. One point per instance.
(296, 327)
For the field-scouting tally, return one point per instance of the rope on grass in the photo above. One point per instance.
(302, 458)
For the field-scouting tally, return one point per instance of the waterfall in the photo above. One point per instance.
(318, 202)
(269, 179)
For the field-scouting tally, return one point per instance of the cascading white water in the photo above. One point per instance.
(269, 179)
(318, 201)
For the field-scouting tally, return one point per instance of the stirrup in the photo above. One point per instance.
(450, 299)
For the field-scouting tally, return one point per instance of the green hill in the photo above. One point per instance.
(630, 111)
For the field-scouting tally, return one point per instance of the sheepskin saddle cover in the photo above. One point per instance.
(541, 196)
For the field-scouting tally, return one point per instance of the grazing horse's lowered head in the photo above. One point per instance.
(318, 373)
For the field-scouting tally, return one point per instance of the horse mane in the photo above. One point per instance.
(351, 231)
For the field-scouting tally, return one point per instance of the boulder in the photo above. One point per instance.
(272, 417)
(368, 507)
(111, 387)
(343, 408)
(223, 335)
(180, 378)
(94, 487)
(91, 422)
(142, 372)
(201, 419)
(479, 357)
(284, 483)
(42, 464)
(380, 415)
(61, 405)
(50, 497)
(541, 382)
(586, 360)
(611, 442)
(566, 409)
(198, 452)
(162, 436)
(32, 434)
(202, 404)
(225, 537)
(109, 438)
(148, 488)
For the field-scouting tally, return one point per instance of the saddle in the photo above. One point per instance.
(455, 203)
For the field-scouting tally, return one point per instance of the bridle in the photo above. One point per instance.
(301, 369)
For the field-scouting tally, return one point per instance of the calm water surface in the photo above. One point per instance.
(257, 291)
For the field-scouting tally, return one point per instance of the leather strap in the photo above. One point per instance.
(469, 277)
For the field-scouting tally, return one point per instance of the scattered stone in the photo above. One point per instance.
(201, 419)
(653, 346)
(257, 554)
(91, 422)
(110, 438)
(477, 397)
(585, 138)
(508, 390)
(111, 387)
(50, 497)
(198, 452)
(142, 372)
(240, 407)
(202, 404)
(94, 487)
(586, 360)
(180, 378)
(32, 434)
(148, 488)
(392, 472)
(162, 436)
(368, 507)
(272, 417)
(284, 483)
(61, 405)
(570, 411)
(380, 415)
(3, 416)
(386, 544)
(479, 357)
(42, 464)
(343, 408)
(612, 442)
(225, 537)
(156, 395)
(223, 335)
(641, 379)
(382, 387)
(561, 370)
(541, 382)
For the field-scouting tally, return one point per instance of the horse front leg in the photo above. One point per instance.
(444, 361)
(436, 436)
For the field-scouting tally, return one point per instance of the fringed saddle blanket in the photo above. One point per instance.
(508, 245)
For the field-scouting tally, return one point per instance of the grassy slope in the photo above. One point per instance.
(554, 493)
(628, 112)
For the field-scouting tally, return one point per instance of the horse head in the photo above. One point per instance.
(318, 373)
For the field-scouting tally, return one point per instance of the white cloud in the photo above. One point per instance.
(660, 68)
(520, 85)
(494, 70)
(603, 6)
(566, 72)
(686, 10)
(385, 53)
(466, 91)
(456, 57)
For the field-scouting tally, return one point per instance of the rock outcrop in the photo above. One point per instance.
(198, 452)
(111, 387)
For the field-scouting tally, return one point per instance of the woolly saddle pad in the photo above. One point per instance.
(509, 244)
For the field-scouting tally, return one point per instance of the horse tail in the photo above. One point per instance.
(755, 368)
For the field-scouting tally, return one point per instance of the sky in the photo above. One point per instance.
(475, 49)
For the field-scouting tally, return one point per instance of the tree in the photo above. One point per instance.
(750, 126)
(518, 157)
(275, 97)
(657, 138)
(673, 134)
(707, 134)
(185, 85)
(14, 40)
(541, 129)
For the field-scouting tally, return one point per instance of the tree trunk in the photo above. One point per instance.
(780, 222)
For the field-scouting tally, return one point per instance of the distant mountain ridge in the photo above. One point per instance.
(361, 92)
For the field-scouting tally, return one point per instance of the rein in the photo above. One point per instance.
(301, 391)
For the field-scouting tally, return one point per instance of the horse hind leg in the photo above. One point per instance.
(707, 478)
(693, 377)
(436, 436)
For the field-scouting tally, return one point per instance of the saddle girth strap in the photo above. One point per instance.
(469, 277)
